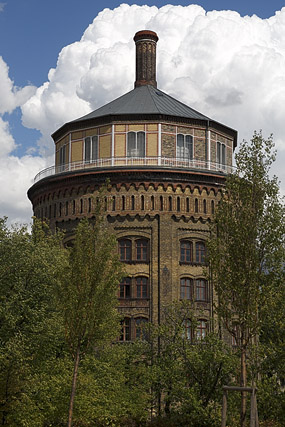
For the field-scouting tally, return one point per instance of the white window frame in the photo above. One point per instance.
(135, 151)
(94, 149)
(185, 153)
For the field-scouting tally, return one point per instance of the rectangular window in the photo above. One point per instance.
(186, 252)
(142, 250)
(142, 287)
(201, 290)
(91, 148)
(185, 288)
(125, 250)
(200, 252)
(125, 288)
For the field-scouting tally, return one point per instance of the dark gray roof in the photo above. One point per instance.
(145, 100)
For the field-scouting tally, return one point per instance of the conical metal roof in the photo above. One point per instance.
(145, 100)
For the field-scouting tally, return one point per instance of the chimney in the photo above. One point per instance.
(145, 58)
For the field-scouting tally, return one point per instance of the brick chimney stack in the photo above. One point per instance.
(145, 58)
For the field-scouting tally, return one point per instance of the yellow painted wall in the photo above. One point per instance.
(120, 128)
(76, 135)
(120, 145)
(105, 146)
(77, 151)
(152, 126)
(91, 132)
(136, 127)
(152, 144)
(105, 129)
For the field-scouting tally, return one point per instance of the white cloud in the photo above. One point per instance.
(16, 174)
(229, 67)
(2, 5)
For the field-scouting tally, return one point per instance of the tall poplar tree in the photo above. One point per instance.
(88, 292)
(246, 251)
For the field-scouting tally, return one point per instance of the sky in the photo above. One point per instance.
(61, 59)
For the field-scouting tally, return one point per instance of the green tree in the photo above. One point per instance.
(88, 292)
(30, 325)
(246, 251)
(187, 372)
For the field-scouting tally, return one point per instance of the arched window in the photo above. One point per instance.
(91, 149)
(126, 329)
(200, 250)
(187, 204)
(161, 203)
(89, 204)
(178, 204)
(59, 214)
(54, 210)
(125, 288)
(133, 203)
(186, 251)
(184, 147)
(81, 206)
(142, 287)
(186, 288)
(125, 250)
(213, 207)
(221, 154)
(170, 203)
(142, 203)
(123, 203)
(204, 206)
(196, 206)
(201, 330)
(201, 290)
(73, 207)
(142, 250)
(140, 325)
(152, 203)
(136, 144)
(113, 203)
(66, 208)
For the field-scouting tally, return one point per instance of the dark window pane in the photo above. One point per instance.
(125, 250)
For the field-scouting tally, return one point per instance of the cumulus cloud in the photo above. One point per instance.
(231, 68)
(2, 5)
(16, 174)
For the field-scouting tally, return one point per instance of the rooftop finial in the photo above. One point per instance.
(145, 58)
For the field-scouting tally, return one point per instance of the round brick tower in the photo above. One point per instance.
(166, 164)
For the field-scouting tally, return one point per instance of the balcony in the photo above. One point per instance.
(134, 162)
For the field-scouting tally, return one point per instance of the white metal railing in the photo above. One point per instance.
(165, 162)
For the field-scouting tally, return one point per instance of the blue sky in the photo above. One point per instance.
(32, 35)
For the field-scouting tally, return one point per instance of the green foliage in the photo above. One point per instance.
(87, 293)
(30, 326)
(188, 374)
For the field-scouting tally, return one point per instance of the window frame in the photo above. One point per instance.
(200, 252)
(127, 250)
(137, 151)
(201, 329)
(186, 139)
(124, 285)
(93, 154)
(186, 288)
(142, 287)
(140, 333)
(201, 292)
(183, 252)
(126, 330)
(144, 256)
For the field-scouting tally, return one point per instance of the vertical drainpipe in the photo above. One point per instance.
(159, 143)
(113, 144)
(158, 299)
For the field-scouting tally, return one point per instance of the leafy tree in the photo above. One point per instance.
(88, 292)
(30, 325)
(246, 251)
(188, 372)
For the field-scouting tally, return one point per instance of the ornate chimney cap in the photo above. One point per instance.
(146, 34)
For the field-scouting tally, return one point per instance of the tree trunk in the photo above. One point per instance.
(73, 388)
(243, 384)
